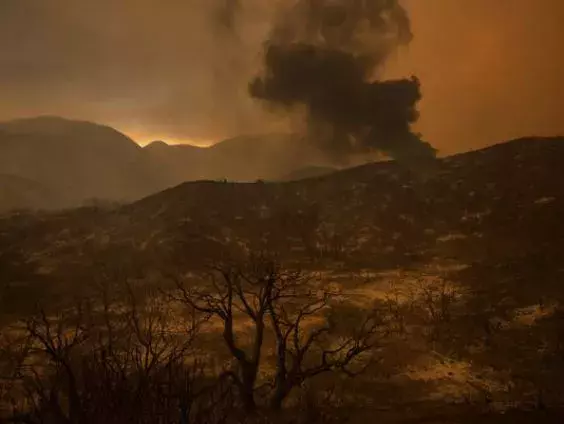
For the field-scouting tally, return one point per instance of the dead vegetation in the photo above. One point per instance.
(128, 352)
(441, 297)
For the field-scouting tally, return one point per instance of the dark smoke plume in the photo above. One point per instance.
(325, 55)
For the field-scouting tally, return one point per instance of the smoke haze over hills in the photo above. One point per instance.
(51, 162)
(488, 70)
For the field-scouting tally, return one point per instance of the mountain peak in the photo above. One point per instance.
(157, 144)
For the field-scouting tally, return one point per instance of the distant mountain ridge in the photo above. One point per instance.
(504, 201)
(50, 162)
(80, 161)
(77, 160)
(243, 158)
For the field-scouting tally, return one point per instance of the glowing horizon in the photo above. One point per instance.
(144, 139)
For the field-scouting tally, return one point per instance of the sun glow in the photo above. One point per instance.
(144, 139)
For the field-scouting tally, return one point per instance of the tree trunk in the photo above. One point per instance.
(248, 399)
(248, 378)
(281, 391)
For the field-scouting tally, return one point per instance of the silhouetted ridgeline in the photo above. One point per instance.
(72, 163)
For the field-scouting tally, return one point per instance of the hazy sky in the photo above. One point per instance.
(164, 69)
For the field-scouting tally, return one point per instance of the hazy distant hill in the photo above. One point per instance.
(76, 160)
(175, 163)
(21, 193)
(53, 162)
(243, 158)
(80, 161)
(495, 201)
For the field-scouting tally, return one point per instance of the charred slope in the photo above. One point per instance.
(508, 194)
(307, 172)
(495, 213)
(503, 202)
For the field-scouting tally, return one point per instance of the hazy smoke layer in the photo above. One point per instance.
(325, 55)
(178, 70)
(226, 13)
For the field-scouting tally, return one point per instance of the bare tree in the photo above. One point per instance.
(290, 305)
(115, 361)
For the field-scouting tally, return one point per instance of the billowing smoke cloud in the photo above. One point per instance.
(327, 56)
(490, 70)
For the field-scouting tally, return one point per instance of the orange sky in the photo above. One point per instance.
(490, 69)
